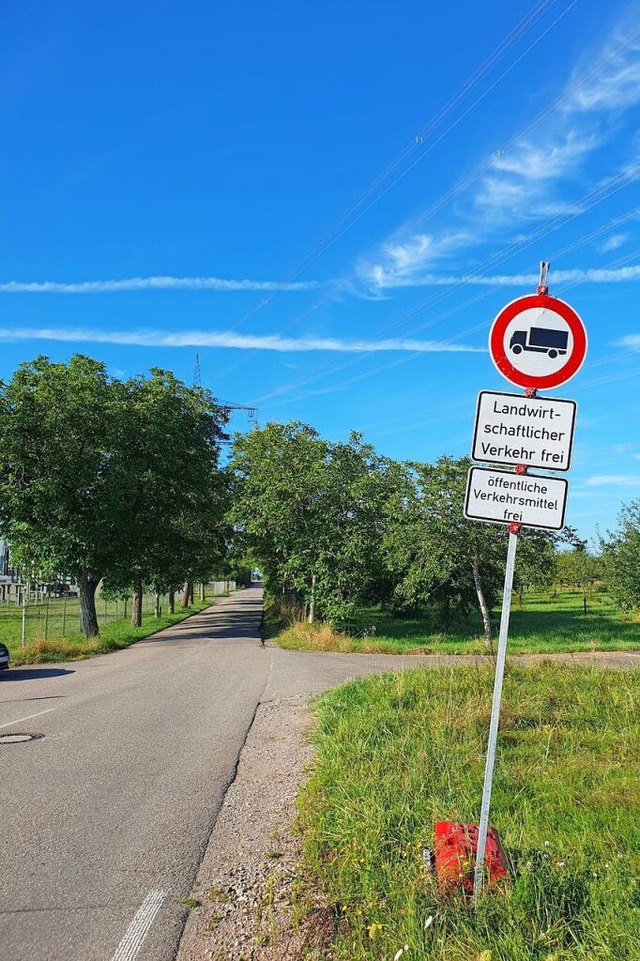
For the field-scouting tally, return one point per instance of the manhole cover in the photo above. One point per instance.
(17, 738)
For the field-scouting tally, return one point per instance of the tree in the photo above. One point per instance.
(621, 557)
(110, 481)
(310, 514)
(172, 496)
(278, 476)
(58, 424)
(535, 561)
(440, 557)
(436, 553)
(579, 569)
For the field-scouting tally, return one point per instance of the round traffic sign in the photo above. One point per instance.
(538, 341)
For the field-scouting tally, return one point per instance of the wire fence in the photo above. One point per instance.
(46, 617)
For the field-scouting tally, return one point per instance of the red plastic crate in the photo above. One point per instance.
(456, 847)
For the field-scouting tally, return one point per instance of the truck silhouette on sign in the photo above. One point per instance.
(542, 340)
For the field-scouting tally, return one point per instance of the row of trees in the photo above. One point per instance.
(335, 525)
(111, 481)
(120, 483)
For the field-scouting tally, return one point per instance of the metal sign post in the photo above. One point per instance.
(478, 879)
(547, 369)
(536, 342)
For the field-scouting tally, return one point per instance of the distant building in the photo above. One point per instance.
(8, 574)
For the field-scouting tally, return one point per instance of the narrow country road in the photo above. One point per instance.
(106, 816)
(111, 809)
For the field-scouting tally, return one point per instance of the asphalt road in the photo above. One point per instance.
(118, 799)
(105, 818)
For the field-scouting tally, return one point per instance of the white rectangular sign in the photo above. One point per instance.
(533, 431)
(507, 498)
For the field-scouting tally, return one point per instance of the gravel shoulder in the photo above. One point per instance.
(250, 880)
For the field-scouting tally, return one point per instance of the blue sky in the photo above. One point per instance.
(329, 203)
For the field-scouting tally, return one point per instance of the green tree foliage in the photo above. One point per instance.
(535, 562)
(579, 569)
(311, 515)
(107, 480)
(436, 554)
(621, 558)
(439, 557)
(170, 495)
(58, 427)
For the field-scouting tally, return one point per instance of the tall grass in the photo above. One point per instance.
(546, 623)
(396, 753)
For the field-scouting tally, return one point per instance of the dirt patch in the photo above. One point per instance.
(253, 900)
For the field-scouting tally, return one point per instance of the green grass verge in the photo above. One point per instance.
(546, 623)
(113, 637)
(396, 753)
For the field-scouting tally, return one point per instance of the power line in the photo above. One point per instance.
(592, 73)
(358, 209)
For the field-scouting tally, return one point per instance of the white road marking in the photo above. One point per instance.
(28, 717)
(139, 927)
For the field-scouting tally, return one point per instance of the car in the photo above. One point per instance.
(5, 658)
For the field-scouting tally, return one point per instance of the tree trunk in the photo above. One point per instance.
(172, 602)
(158, 609)
(312, 603)
(136, 606)
(187, 596)
(484, 610)
(87, 586)
(584, 602)
(203, 591)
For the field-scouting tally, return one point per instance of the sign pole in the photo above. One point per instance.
(478, 879)
(514, 530)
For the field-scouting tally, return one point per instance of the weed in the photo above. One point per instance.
(191, 902)
(218, 894)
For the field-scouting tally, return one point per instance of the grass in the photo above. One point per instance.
(113, 637)
(396, 753)
(546, 623)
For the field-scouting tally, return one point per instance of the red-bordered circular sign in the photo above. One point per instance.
(538, 341)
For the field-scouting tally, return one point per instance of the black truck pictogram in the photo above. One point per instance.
(542, 340)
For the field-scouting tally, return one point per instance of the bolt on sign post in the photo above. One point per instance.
(536, 342)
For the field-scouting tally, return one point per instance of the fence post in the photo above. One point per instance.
(24, 616)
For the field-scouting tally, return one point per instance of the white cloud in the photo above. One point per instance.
(613, 242)
(401, 262)
(613, 480)
(576, 275)
(611, 82)
(521, 182)
(521, 178)
(555, 158)
(632, 340)
(501, 197)
(155, 283)
(228, 339)
(405, 268)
